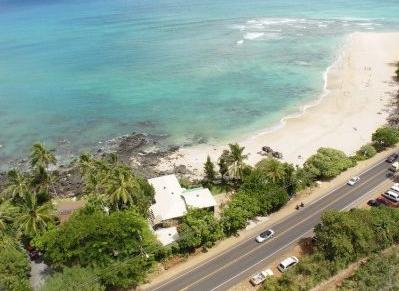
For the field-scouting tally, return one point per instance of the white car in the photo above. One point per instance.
(265, 235)
(287, 263)
(395, 187)
(391, 195)
(259, 278)
(353, 180)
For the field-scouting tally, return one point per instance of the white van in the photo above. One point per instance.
(287, 263)
(391, 195)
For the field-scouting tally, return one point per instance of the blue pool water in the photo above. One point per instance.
(83, 71)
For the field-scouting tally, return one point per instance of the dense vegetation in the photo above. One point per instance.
(385, 137)
(109, 238)
(14, 266)
(328, 163)
(380, 272)
(342, 238)
(109, 241)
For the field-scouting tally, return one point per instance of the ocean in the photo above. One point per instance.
(73, 73)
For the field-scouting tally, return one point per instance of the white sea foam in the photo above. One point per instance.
(240, 42)
(302, 63)
(253, 35)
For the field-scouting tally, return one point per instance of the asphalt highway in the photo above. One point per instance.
(243, 260)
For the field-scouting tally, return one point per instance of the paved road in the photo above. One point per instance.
(243, 260)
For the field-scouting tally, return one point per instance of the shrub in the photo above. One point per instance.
(71, 279)
(385, 137)
(327, 163)
(366, 152)
(14, 266)
(380, 272)
(199, 228)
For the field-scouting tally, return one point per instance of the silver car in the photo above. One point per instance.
(265, 235)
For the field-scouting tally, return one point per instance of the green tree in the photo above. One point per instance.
(223, 164)
(272, 169)
(236, 160)
(327, 163)
(7, 215)
(121, 187)
(209, 169)
(71, 279)
(385, 137)
(17, 185)
(366, 152)
(41, 157)
(14, 266)
(120, 246)
(33, 218)
(233, 218)
(42, 181)
(199, 228)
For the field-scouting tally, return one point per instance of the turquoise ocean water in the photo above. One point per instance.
(84, 71)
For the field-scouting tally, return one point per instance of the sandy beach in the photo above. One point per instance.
(358, 90)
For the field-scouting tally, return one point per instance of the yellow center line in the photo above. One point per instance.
(280, 234)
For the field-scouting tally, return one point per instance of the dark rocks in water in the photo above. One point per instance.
(181, 169)
(146, 124)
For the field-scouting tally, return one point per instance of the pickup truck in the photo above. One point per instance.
(259, 278)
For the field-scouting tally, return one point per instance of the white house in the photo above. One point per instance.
(172, 201)
(168, 202)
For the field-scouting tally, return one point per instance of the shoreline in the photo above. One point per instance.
(357, 89)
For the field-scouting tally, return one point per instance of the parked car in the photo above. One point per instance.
(374, 203)
(395, 187)
(392, 158)
(386, 202)
(353, 180)
(259, 278)
(265, 235)
(394, 167)
(391, 195)
(287, 263)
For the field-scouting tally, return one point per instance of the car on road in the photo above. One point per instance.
(287, 263)
(259, 278)
(374, 203)
(265, 235)
(391, 195)
(353, 180)
(392, 158)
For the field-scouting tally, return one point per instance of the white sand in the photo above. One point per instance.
(359, 89)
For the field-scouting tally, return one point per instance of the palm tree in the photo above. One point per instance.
(121, 187)
(42, 181)
(85, 163)
(236, 160)
(34, 218)
(273, 169)
(41, 157)
(17, 184)
(7, 212)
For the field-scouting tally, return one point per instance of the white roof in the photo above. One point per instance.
(199, 198)
(167, 236)
(168, 201)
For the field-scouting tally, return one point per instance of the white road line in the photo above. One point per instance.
(277, 222)
(288, 244)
